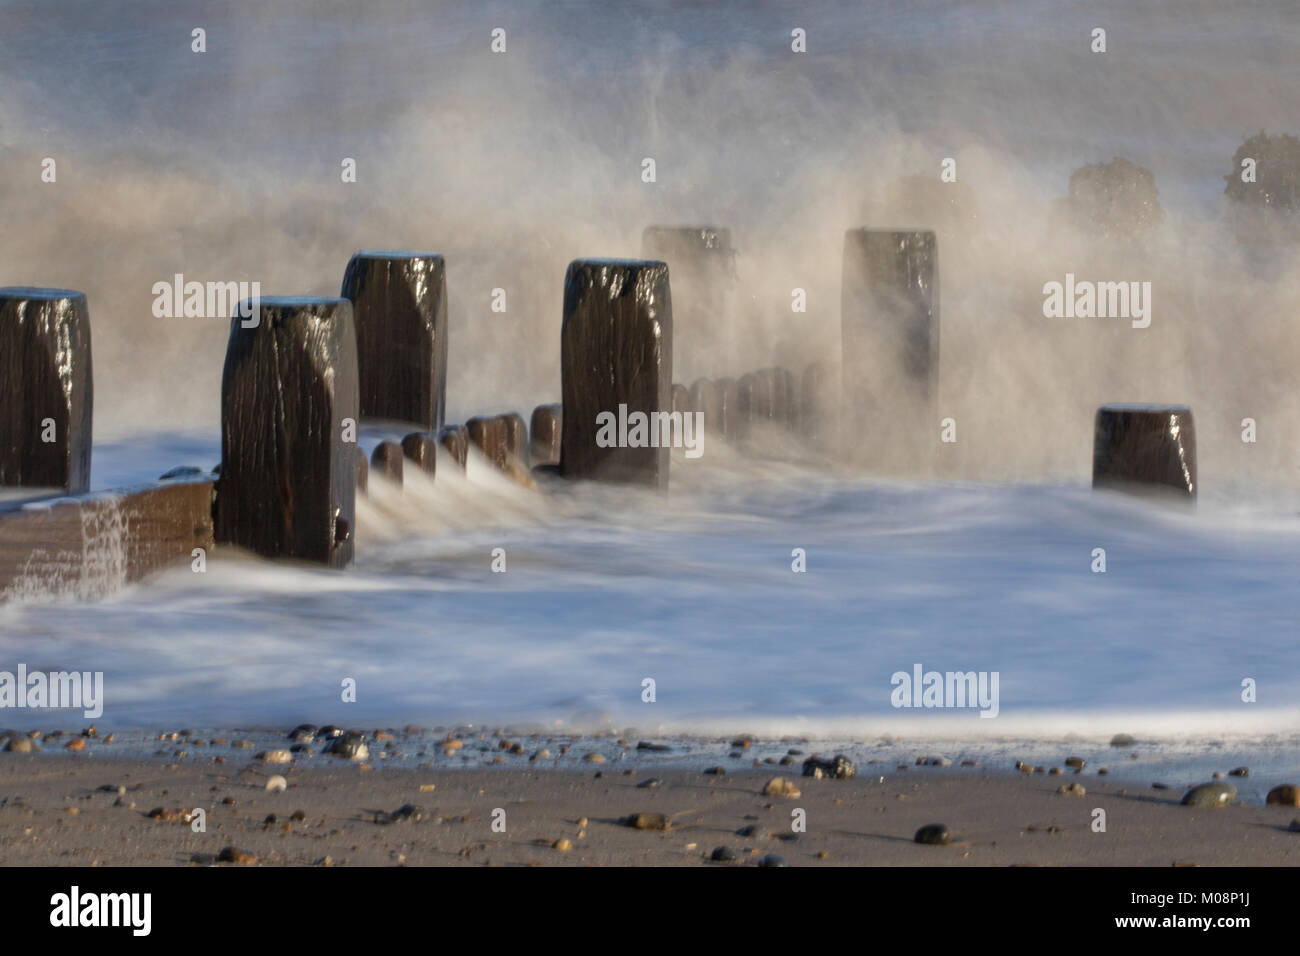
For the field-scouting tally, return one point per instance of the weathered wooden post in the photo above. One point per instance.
(890, 335)
(422, 449)
(616, 365)
(702, 261)
(46, 389)
(705, 398)
(288, 476)
(545, 429)
(455, 441)
(730, 413)
(386, 461)
(399, 302)
(488, 434)
(1145, 448)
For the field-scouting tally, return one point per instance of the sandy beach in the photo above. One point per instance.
(56, 811)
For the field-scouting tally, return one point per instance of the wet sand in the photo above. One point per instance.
(53, 812)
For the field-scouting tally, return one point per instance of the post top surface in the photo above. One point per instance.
(394, 254)
(1151, 407)
(31, 292)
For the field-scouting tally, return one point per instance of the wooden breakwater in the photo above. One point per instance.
(301, 372)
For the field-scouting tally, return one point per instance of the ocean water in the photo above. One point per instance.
(225, 165)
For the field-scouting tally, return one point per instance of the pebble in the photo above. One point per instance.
(351, 746)
(650, 784)
(772, 860)
(1286, 795)
(1054, 772)
(540, 755)
(782, 787)
(274, 756)
(933, 834)
(303, 734)
(406, 813)
(1122, 740)
(647, 821)
(594, 758)
(563, 844)
(231, 854)
(1078, 763)
(838, 767)
(1239, 772)
(654, 748)
(21, 745)
(242, 745)
(76, 743)
(1210, 796)
(1073, 789)
(716, 772)
(723, 854)
(277, 784)
(755, 831)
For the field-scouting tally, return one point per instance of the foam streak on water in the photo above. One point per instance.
(607, 587)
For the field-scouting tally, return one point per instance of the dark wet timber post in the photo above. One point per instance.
(702, 261)
(616, 349)
(1145, 448)
(399, 302)
(288, 477)
(889, 322)
(46, 389)
(545, 428)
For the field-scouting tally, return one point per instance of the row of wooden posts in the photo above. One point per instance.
(296, 378)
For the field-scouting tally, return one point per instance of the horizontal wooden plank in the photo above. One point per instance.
(90, 545)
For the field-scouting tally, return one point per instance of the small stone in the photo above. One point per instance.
(970, 763)
(653, 748)
(647, 821)
(1073, 790)
(540, 755)
(563, 844)
(350, 746)
(232, 855)
(755, 832)
(1054, 772)
(1286, 795)
(1239, 772)
(723, 854)
(277, 784)
(243, 745)
(594, 758)
(76, 743)
(1211, 796)
(782, 787)
(650, 784)
(303, 734)
(274, 756)
(21, 745)
(933, 762)
(933, 834)
(772, 860)
(1078, 763)
(716, 772)
(1217, 775)
(839, 767)
(743, 743)
(1122, 740)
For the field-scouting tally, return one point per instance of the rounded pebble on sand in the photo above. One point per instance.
(1210, 796)
(276, 784)
(1285, 795)
(933, 834)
